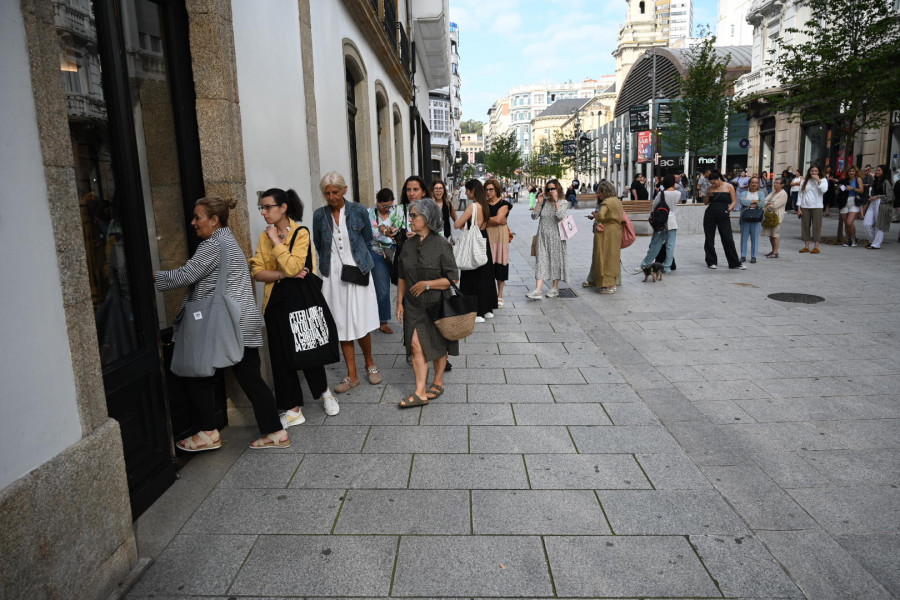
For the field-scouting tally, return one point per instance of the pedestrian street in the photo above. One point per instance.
(689, 437)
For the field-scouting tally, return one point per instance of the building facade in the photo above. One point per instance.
(470, 144)
(732, 28)
(445, 113)
(124, 113)
(777, 141)
(522, 104)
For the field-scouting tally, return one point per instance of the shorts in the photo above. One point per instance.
(851, 207)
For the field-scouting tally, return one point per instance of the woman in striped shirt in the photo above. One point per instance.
(201, 274)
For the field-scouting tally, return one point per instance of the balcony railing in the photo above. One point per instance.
(389, 22)
(403, 49)
(75, 21)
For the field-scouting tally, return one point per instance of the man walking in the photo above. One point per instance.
(703, 185)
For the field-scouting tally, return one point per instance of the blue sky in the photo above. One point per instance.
(505, 43)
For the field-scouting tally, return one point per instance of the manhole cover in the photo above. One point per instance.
(567, 293)
(799, 298)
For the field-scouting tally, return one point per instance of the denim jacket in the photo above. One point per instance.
(360, 231)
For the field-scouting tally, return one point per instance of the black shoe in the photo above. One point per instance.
(752, 261)
(449, 367)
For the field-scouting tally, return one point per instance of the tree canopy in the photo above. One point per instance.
(842, 66)
(472, 126)
(700, 114)
(504, 157)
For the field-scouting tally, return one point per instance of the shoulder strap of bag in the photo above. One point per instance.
(453, 287)
(222, 280)
(308, 264)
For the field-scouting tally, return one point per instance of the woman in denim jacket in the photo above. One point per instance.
(752, 197)
(342, 234)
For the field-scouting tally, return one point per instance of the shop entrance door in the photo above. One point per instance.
(125, 67)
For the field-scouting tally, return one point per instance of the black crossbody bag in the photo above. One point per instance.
(349, 273)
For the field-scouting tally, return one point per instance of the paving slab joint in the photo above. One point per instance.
(340, 508)
(641, 467)
(605, 516)
(705, 568)
(549, 568)
(394, 569)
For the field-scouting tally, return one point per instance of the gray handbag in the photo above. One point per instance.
(207, 332)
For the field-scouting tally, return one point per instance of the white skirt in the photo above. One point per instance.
(354, 307)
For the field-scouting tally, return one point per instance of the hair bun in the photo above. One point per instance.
(231, 204)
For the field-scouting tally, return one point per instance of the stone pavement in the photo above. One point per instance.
(685, 438)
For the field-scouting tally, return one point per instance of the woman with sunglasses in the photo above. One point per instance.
(498, 235)
(552, 262)
(479, 282)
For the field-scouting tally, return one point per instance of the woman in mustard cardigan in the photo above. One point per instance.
(275, 260)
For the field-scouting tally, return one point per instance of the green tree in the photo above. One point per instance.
(700, 114)
(479, 157)
(504, 157)
(472, 126)
(845, 70)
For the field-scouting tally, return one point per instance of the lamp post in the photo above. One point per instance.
(577, 139)
(651, 166)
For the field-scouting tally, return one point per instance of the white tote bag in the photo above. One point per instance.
(567, 228)
(470, 250)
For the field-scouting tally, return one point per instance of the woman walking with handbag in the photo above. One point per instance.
(498, 235)
(752, 201)
(608, 238)
(283, 252)
(219, 267)
(552, 258)
(478, 282)
(426, 268)
(386, 223)
(342, 235)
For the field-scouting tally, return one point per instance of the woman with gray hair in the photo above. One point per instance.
(342, 234)
(426, 267)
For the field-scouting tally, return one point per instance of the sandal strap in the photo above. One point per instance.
(372, 370)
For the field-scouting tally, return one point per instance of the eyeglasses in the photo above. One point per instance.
(413, 215)
(489, 189)
(265, 207)
(550, 189)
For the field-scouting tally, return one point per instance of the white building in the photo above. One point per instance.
(732, 28)
(444, 110)
(523, 103)
(681, 20)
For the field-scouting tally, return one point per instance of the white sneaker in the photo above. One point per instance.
(290, 418)
(535, 295)
(553, 293)
(488, 315)
(331, 404)
(479, 319)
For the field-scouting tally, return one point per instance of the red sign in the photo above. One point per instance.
(645, 146)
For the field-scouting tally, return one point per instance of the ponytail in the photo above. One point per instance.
(290, 197)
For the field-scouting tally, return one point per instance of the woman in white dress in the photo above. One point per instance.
(342, 234)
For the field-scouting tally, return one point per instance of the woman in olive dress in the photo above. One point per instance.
(426, 268)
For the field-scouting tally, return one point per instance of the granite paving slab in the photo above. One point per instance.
(584, 472)
(878, 554)
(537, 512)
(595, 392)
(856, 510)
(820, 567)
(468, 472)
(504, 566)
(386, 439)
(855, 467)
(314, 565)
(405, 512)
(327, 439)
(257, 470)
(743, 568)
(195, 564)
(623, 566)
(520, 439)
(511, 392)
(669, 512)
(467, 414)
(560, 414)
(256, 511)
(349, 471)
(629, 413)
(673, 471)
(626, 438)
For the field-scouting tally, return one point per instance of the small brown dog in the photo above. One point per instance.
(654, 271)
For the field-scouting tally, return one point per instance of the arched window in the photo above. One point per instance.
(399, 155)
(383, 131)
(642, 6)
(359, 129)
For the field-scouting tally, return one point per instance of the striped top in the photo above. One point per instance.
(201, 273)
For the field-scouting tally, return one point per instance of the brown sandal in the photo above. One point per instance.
(210, 442)
(408, 402)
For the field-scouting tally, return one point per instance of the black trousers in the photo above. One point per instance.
(718, 217)
(288, 393)
(203, 394)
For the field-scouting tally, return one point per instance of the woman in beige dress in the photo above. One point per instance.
(608, 239)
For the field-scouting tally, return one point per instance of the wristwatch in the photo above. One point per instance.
(427, 286)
